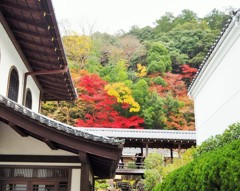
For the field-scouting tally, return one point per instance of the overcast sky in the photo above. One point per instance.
(113, 15)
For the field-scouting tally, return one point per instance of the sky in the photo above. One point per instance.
(111, 16)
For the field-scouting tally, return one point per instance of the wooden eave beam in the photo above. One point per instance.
(32, 34)
(35, 44)
(28, 22)
(39, 52)
(21, 8)
(39, 66)
(58, 94)
(42, 72)
(53, 84)
(41, 61)
(18, 129)
(59, 90)
(50, 144)
(81, 144)
(47, 72)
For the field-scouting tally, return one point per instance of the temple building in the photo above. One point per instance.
(36, 152)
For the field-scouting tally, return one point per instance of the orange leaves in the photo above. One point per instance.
(175, 86)
(179, 116)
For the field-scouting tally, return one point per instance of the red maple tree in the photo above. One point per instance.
(188, 73)
(100, 110)
(175, 86)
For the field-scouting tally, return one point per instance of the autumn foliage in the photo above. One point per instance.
(188, 73)
(100, 111)
(178, 107)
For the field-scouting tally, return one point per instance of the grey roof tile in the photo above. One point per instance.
(143, 133)
(79, 132)
(219, 39)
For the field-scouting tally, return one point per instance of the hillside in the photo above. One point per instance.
(138, 79)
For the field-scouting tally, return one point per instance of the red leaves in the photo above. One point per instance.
(176, 82)
(101, 112)
(175, 86)
(188, 73)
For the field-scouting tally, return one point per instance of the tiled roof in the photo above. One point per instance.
(79, 132)
(143, 134)
(214, 47)
(34, 26)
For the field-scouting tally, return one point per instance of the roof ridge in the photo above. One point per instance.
(213, 47)
(140, 130)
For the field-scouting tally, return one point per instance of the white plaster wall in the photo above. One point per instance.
(217, 105)
(9, 57)
(76, 180)
(12, 143)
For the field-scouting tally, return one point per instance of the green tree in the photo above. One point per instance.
(158, 59)
(140, 91)
(143, 34)
(217, 19)
(115, 72)
(165, 23)
(153, 170)
(185, 16)
(153, 112)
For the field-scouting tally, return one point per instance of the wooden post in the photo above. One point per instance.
(84, 184)
(146, 149)
(93, 186)
(179, 150)
(171, 153)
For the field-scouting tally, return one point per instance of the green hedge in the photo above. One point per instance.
(215, 170)
(229, 135)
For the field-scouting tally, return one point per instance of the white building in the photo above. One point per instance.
(216, 87)
(38, 153)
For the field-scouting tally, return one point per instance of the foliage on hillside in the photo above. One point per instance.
(146, 70)
(101, 100)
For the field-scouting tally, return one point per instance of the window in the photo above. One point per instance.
(13, 85)
(34, 179)
(15, 187)
(28, 100)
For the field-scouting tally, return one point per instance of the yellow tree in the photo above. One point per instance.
(77, 48)
(142, 70)
(123, 95)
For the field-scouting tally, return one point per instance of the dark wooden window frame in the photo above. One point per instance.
(31, 181)
(13, 84)
(28, 99)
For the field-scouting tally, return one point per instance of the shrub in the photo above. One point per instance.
(229, 135)
(160, 81)
(214, 170)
